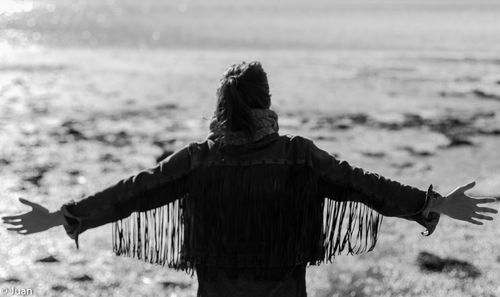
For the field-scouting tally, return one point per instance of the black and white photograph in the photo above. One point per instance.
(251, 148)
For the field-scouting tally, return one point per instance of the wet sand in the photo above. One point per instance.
(76, 121)
(83, 107)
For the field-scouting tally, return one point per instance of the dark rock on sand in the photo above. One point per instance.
(171, 285)
(485, 95)
(453, 94)
(410, 120)
(19, 81)
(82, 278)
(483, 115)
(130, 101)
(403, 165)
(373, 154)
(341, 122)
(457, 128)
(447, 125)
(36, 175)
(468, 78)
(433, 263)
(478, 93)
(415, 152)
(48, 259)
(358, 118)
(119, 139)
(4, 161)
(347, 121)
(74, 172)
(489, 131)
(322, 137)
(456, 140)
(167, 106)
(59, 288)
(72, 129)
(10, 280)
(108, 157)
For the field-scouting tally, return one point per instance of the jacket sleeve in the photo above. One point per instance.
(145, 190)
(344, 182)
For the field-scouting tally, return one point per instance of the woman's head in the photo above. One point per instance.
(243, 87)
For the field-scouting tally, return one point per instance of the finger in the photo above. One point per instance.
(12, 221)
(27, 202)
(481, 197)
(486, 209)
(15, 223)
(482, 217)
(475, 222)
(33, 205)
(467, 186)
(485, 200)
(15, 228)
(11, 217)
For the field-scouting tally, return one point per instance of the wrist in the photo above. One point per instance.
(436, 204)
(57, 218)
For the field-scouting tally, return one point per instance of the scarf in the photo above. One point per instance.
(266, 121)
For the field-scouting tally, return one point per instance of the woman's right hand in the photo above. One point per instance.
(37, 220)
(460, 206)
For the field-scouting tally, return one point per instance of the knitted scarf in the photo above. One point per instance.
(266, 121)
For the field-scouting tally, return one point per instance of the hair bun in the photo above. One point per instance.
(243, 87)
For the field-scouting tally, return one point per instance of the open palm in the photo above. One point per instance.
(37, 220)
(460, 206)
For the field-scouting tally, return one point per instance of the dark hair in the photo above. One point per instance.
(243, 87)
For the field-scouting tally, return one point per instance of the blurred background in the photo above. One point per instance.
(92, 91)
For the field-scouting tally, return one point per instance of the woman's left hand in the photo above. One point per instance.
(460, 206)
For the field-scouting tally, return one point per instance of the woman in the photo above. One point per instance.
(247, 208)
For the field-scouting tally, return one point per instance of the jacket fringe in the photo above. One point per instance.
(258, 217)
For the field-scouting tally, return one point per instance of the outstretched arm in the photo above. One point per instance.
(392, 198)
(148, 189)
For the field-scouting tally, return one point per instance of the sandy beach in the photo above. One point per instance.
(111, 92)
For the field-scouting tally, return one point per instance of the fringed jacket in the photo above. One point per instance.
(278, 202)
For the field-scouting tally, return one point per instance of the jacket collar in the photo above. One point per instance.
(264, 141)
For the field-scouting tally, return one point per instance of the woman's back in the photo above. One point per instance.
(253, 213)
